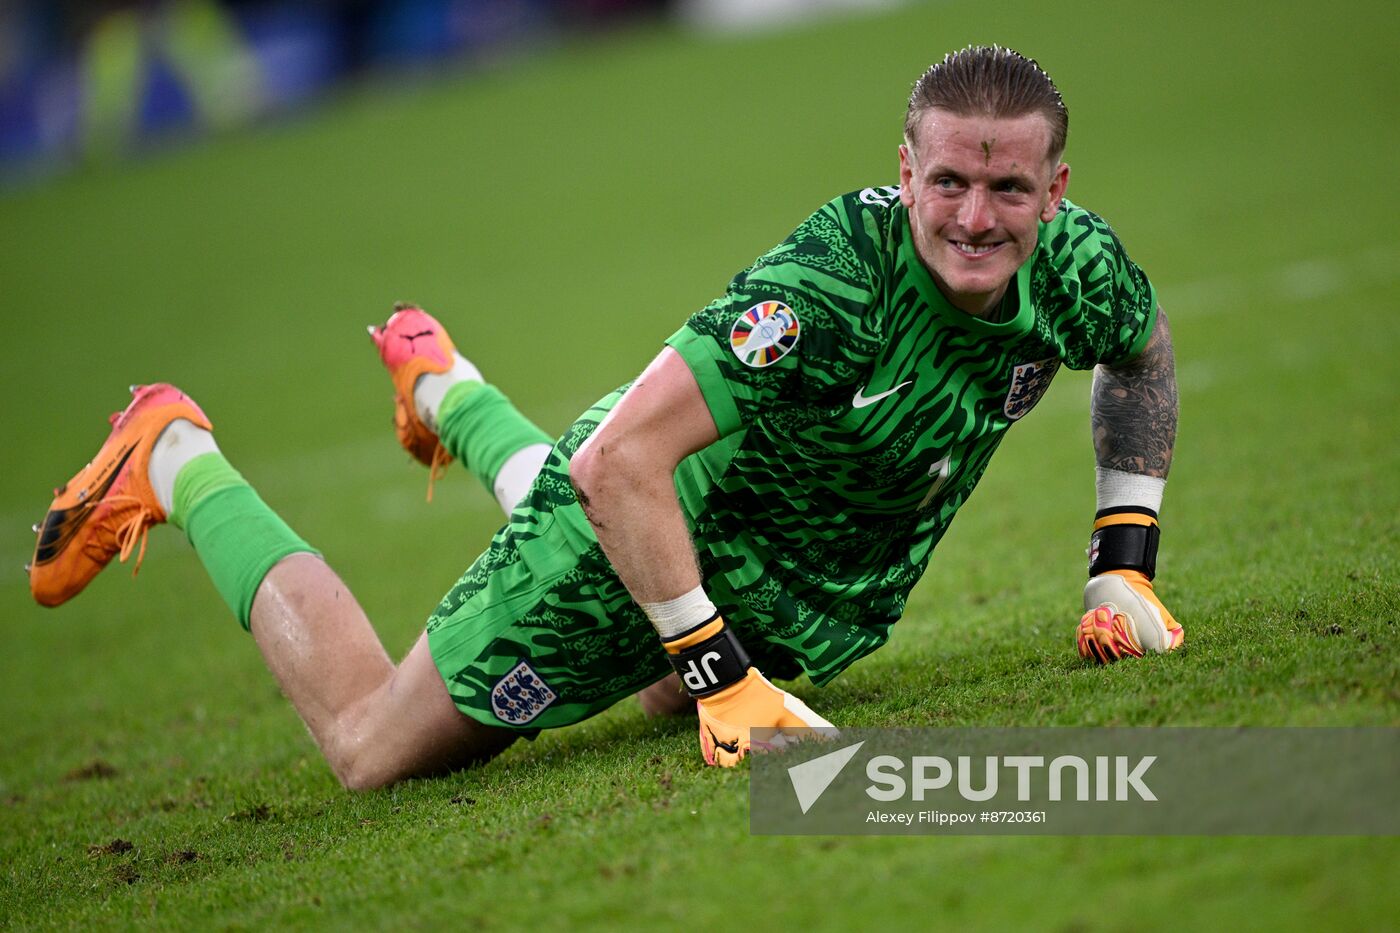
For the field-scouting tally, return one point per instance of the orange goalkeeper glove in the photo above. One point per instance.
(1124, 617)
(732, 697)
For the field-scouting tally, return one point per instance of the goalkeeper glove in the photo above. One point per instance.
(1123, 615)
(732, 697)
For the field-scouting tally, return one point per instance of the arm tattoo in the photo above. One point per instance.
(1133, 409)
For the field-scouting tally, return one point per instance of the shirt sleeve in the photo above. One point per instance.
(791, 328)
(1117, 307)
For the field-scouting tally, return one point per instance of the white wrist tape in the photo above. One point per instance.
(1116, 488)
(674, 616)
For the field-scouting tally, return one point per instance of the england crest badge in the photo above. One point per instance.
(1028, 383)
(520, 696)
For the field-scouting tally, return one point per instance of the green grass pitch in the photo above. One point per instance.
(563, 216)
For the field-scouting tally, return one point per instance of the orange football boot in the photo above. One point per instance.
(412, 343)
(109, 506)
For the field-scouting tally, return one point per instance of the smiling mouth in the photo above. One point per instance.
(973, 250)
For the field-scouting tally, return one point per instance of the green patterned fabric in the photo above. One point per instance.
(857, 408)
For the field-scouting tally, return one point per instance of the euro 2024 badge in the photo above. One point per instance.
(1028, 383)
(764, 334)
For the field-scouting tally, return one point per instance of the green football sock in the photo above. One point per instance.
(479, 426)
(237, 537)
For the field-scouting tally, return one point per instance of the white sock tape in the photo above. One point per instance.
(517, 473)
(431, 388)
(674, 616)
(179, 443)
(1116, 488)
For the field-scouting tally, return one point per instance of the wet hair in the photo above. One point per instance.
(990, 81)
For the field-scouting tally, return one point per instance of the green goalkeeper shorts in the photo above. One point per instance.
(539, 632)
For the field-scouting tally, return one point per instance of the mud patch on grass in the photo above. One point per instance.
(257, 813)
(95, 770)
(115, 847)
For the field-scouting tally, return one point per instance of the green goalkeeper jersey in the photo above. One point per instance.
(858, 409)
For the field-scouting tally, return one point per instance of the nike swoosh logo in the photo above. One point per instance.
(860, 401)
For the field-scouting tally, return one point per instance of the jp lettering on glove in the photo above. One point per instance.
(732, 697)
(1123, 616)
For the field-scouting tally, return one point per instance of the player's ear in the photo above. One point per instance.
(906, 176)
(1058, 183)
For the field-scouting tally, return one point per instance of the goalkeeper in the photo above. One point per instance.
(762, 498)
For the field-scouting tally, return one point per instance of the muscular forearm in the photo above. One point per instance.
(1133, 409)
(640, 527)
(624, 478)
(1134, 421)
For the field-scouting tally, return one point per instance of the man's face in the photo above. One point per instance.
(976, 189)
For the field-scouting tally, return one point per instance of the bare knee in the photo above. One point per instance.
(353, 759)
(407, 727)
(368, 772)
(370, 751)
(356, 777)
(370, 768)
(355, 781)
